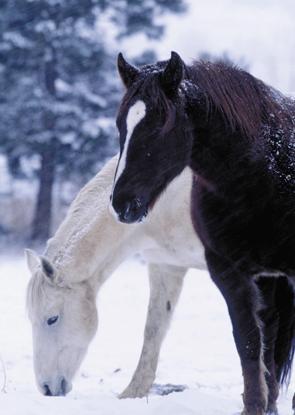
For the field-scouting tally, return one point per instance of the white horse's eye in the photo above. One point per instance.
(52, 320)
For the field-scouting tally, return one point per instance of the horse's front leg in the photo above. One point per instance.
(165, 286)
(241, 296)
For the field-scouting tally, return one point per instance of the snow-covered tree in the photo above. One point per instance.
(59, 88)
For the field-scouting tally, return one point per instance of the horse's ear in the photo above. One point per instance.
(172, 74)
(33, 260)
(128, 73)
(47, 268)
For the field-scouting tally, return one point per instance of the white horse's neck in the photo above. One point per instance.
(89, 237)
(90, 243)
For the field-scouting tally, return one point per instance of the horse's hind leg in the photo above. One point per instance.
(270, 319)
(165, 286)
(285, 343)
(242, 298)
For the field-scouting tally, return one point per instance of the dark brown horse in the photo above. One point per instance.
(237, 135)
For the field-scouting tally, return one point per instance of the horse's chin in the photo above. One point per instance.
(147, 211)
(152, 203)
(144, 216)
(69, 388)
(149, 207)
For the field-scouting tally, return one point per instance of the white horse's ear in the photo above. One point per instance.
(47, 268)
(33, 260)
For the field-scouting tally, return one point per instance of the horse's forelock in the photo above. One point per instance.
(149, 90)
(35, 292)
(38, 294)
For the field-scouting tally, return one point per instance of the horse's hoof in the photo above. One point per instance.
(128, 395)
(137, 388)
(133, 393)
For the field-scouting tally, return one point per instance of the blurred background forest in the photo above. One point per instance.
(59, 89)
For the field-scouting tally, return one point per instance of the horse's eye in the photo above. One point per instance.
(52, 320)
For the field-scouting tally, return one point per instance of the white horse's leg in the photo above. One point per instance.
(166, 283)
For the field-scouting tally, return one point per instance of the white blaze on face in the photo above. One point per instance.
(135, 114)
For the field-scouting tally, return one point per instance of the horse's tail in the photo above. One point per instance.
(285, 342)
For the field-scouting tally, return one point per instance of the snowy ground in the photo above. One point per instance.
(198, 352)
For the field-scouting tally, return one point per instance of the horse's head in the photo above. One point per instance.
(155, 141)
(64, 321)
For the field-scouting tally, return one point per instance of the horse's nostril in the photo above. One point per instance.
(136, 203)
(63, 387)
(47, 391)
(131, 208)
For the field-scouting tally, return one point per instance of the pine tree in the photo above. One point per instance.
(58, 84)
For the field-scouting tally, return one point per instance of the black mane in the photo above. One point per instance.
(244, 101)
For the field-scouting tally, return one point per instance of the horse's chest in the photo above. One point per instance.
(176, 245)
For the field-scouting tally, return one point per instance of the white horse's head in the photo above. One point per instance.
(64, 321)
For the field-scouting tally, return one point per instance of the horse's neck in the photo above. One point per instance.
(209, 149)
(232, 138)
(89, 242)
(216, 148)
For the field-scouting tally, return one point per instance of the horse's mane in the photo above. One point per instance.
(84, 211)
(245, 102)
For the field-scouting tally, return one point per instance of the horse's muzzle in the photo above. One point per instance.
(61, 389)
(130, 211)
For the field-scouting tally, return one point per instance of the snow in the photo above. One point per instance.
(90, 96)
(198, 351)
(5, 180)
(17, 40)
(259, 33)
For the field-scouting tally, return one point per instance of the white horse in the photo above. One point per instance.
(88, 246)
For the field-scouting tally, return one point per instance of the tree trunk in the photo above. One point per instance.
(43, 211)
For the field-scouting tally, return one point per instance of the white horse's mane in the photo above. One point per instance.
(84, 211)
(81, 245)
(86, 208)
